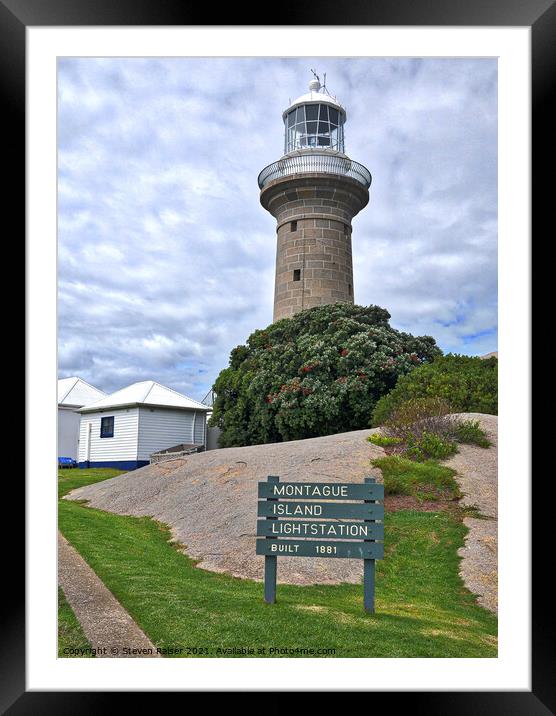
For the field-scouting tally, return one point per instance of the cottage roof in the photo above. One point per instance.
(76, 392)
(148, 393)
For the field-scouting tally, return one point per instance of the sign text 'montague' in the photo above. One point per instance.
(319, 490)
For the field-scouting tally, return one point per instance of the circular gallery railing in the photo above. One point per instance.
(321, 163)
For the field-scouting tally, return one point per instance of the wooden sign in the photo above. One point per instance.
(322, 520)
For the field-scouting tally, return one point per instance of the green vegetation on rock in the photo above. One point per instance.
(384, 440)
(471, 433)
(429, 446)
(468, 384)
(423, 480)
(423, 429)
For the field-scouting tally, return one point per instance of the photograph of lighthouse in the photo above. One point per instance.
(277, 357)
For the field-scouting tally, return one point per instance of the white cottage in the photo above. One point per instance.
(123, 429)
(73, 393)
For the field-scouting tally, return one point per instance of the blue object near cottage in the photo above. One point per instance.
(66, 462)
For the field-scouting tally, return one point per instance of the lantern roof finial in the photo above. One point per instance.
(314, 84)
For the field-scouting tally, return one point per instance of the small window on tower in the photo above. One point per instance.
(349, 288)
(293, 226)
(297, 274)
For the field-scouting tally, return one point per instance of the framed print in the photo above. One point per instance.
(268, 264)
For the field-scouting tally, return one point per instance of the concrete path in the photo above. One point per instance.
(108, 627)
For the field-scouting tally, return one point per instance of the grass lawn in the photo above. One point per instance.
(423, 608)
(72, 642)
(72, 478)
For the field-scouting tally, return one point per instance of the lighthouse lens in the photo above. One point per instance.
(314, 126)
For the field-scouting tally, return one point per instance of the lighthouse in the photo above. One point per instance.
(313, 192)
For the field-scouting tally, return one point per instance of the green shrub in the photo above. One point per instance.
(429, 446)
(467, 383)
(383, 440)
(469, 431)
(422, 429)
(417, 416)
(319, 372)
(426, 480)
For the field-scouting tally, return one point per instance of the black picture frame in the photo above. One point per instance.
(540, 16)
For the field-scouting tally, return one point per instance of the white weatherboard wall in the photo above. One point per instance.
(123, 446)
(162, 428)
(73, 393)
(200, 428)
(68, 432)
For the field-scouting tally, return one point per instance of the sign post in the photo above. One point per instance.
(270, 561)
(317, 519)
(369, 575)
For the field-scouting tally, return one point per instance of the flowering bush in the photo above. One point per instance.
(317, 373)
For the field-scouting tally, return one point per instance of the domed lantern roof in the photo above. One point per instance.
(314, 121)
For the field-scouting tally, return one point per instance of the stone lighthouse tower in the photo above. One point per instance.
(313, 191)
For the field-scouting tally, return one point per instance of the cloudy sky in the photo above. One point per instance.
(166, 258)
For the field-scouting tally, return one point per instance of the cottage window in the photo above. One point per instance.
(107, 427)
